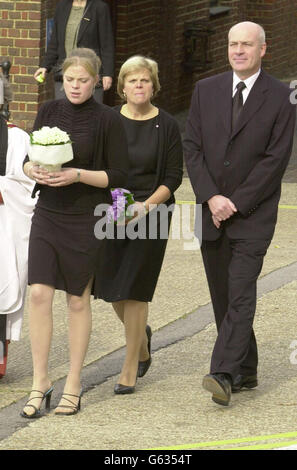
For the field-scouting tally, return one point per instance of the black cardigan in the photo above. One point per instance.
(170, 154)
(95, 32)
(110, 151)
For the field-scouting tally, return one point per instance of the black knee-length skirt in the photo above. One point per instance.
(63, 250)
(128, 269)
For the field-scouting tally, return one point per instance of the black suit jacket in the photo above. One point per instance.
(245, 165)
(95, 32)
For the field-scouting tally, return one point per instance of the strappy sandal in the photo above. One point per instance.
(37, 414)
(74, 407)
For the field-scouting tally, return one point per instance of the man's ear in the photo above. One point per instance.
(263, 49)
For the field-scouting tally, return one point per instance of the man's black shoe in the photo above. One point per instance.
(244, 381)
(220, 387)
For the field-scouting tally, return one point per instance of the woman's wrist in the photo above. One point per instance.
(29, 169)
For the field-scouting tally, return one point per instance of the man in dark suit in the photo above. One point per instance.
(238, 143)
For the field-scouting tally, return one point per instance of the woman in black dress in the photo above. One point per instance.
(63, 247)
(129, 268)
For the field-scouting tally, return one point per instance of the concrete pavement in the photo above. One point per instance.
(170, 410)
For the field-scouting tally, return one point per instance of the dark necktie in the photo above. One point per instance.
(237, 103)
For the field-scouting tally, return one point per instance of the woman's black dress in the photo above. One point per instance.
(63, 250)
(129, 268)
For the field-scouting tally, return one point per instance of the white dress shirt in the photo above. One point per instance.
(249, 83)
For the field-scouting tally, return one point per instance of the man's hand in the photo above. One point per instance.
(1, 200)
(221, 208)
(106, 82)
(216, 222)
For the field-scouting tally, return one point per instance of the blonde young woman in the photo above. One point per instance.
(63, 247)
(129, 269)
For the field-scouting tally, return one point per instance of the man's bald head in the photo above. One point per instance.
(246, 48)
(251, 26)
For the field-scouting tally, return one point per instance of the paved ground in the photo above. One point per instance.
(170, 410)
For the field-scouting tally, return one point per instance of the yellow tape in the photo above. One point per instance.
(233, 441)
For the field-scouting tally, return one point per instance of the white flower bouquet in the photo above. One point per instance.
(50, 147)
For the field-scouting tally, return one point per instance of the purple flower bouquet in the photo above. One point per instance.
(121, 200)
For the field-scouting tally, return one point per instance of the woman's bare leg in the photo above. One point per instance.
(135, 319)
(41, 328)
(80, 324)
(119, 308)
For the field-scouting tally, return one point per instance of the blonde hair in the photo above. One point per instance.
(134, 64)
(85, 57)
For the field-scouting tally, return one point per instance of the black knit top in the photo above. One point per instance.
(143, 150)
(99, 143)
(166, 166)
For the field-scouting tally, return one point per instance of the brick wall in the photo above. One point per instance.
(22, 41)
(155, 28)
(149, 27)
(279, 19)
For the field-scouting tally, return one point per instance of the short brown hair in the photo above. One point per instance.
(136, 63)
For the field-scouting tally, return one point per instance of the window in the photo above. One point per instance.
(215, 8)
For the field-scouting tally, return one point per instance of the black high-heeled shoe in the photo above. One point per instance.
(143, 366)
(75, 408)
(37, 413)
(120, 389)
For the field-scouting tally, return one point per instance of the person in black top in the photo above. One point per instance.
(80, 23)
(63, 247)
(128, 270)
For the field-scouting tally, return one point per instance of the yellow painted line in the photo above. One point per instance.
(277, 445)
(185, 202)
(284, 206)
(281, 206)
(232, 441)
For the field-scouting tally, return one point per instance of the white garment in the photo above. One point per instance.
(15, 224)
